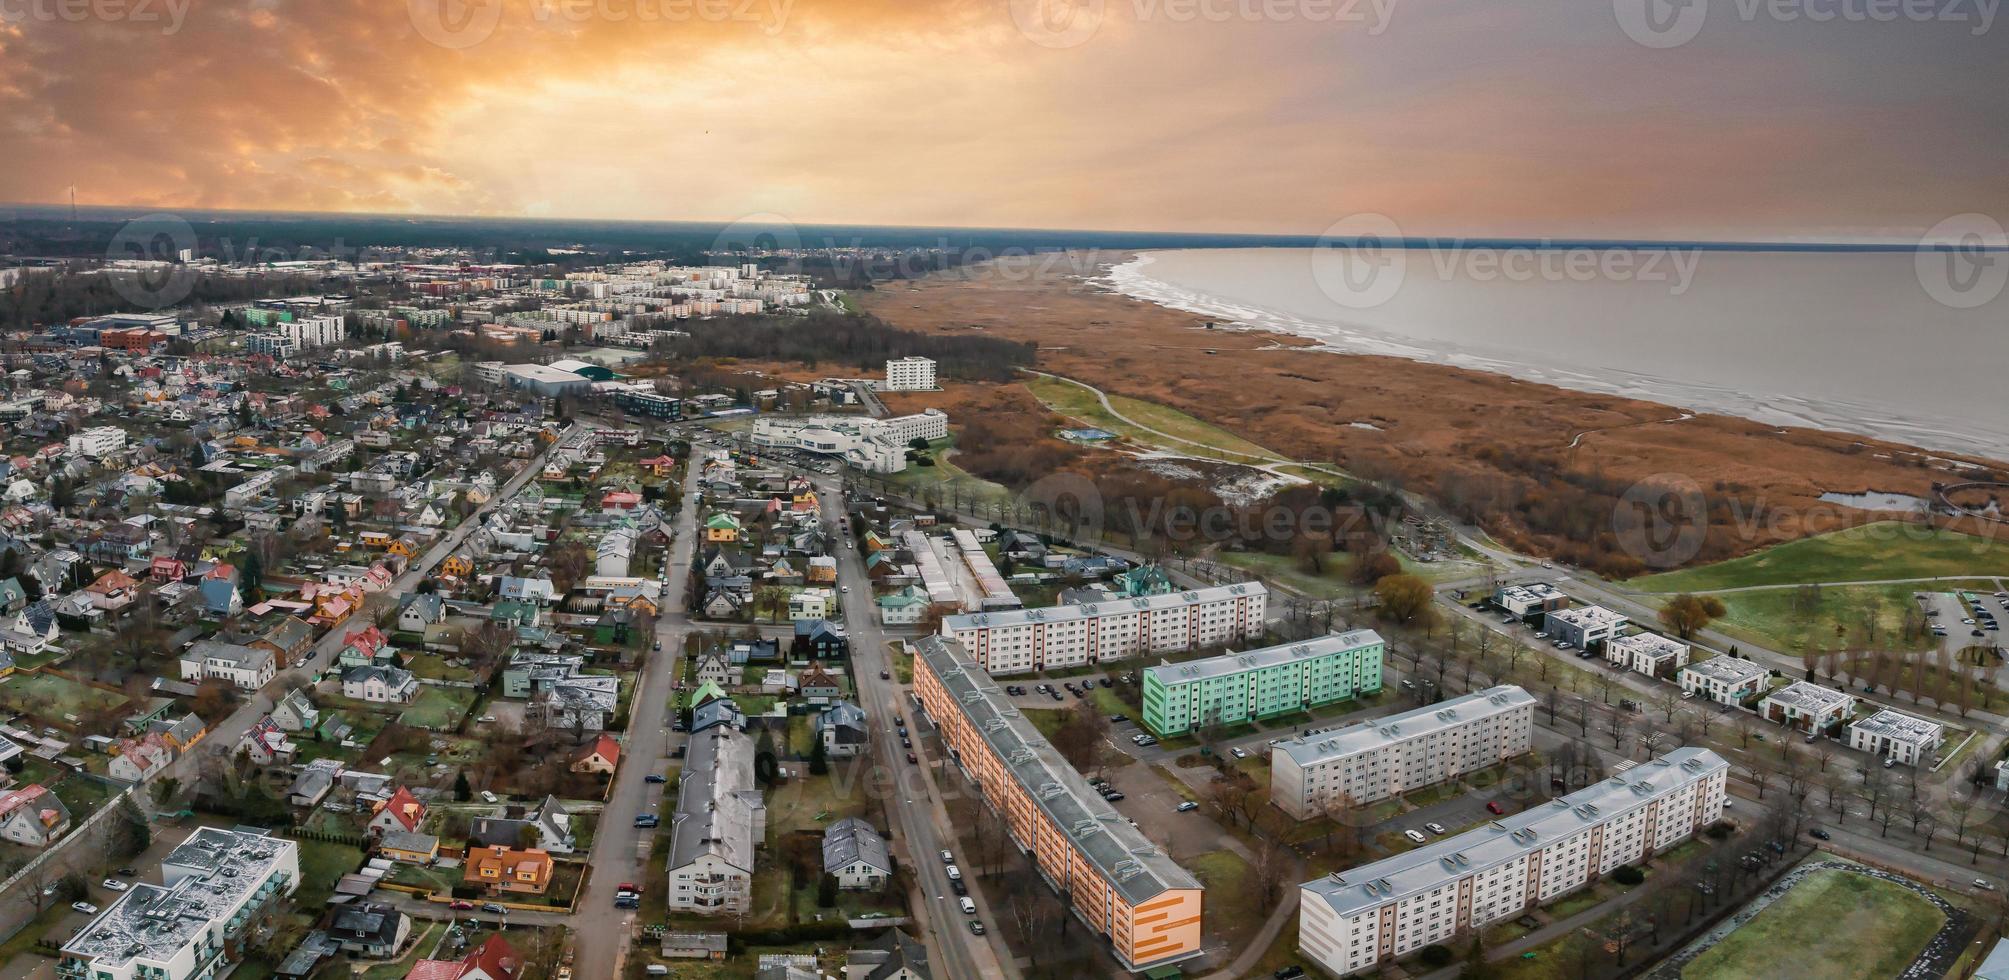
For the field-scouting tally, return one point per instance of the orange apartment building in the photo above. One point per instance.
(1121, 884)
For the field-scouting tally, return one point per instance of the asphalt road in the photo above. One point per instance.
(602, 932)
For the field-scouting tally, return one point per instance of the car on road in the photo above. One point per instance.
(126, 873)
(1118, 719)
(493, 909)
(114, 884)
(955, 873)
(655, 777)
(1435, 828)
(1984, 884)
(1819, 834)
(885, 675)
(911, 760)
(906, 743)
(968, 905)
(976, 928)
(1416, 836)
(85, 907)
(644, 821)
(948, 858)
(462, 906)
(1494, 807)
(957, 886)
(1541, 634)
(1188, 805)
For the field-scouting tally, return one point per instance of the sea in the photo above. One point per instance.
(1895, 343)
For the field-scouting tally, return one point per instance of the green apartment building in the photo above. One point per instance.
(1244, 687)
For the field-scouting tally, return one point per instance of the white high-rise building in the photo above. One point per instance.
(1394, 755)
(910, 374)
(314, 331)
(1350, 921)
(216, 890)
(1023, 640)
(98, 441)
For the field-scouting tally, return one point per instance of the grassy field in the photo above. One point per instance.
(1206, 441)
(438, 708)
(50, 697)
(1837, 618)
(946, 481)
(322, 864)
(1836, 923)
(1886, 550)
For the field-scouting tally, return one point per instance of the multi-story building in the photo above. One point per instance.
(313, 331)
(1647, 653)
(1583, 626)
(1807, 707)
(1348, 922)
(1389, 756)
(1118, 882)
(1905, 738)
(1725, 680)
(98, 441)
(720, 818)
(1242, 687)
(910, 374)
(278, 346)
(1534, 599)
(876, 445)
(1021, 640)
(215, 890)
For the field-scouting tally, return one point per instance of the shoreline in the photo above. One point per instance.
(1132, 279)
(1546, 468)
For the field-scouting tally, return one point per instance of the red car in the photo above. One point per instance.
(629, 886)
(462, 906)
(1496, 807)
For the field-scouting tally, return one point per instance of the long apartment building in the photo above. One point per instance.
(1118, 882)
(721, 819)
(1024, 640)
(1241, 687)
(1348, 922)
(1390, 756)
(215, 889)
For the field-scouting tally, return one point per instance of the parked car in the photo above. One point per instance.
(115, 885)
(1289, 973)
(885, 675)
(1188, 806)
(911, 760)
(1984, 884)
(1819, 834)
(1435, 828)
(462, 906)
(1238, 753)
(1495, 807)
(968, 905)
(493, 908)
(1416, 836)
(655, 777)
(955, 873)
(948, 858)
(956, 885)
(1106, 682)
(85, 907)
(976, 928)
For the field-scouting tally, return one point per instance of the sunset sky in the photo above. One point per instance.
(1449, 116)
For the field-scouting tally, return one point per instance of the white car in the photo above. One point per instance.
(1239, 754)
(1416, 836)
(85, 907)
(1435, 828)
(114, 884)
(969, 907)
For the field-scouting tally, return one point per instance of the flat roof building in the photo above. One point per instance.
(1390, 756)
(1348, 922)
(1807, 707)
(543, 380)
(215, 889)
(1529, 600)
(1024, 640)
(1725, 680)
(1647, 653)
(1240, 687)
(1895, 735)
(1117, 881)
(1583, 626)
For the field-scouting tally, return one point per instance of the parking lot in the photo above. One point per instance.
(1966, 619)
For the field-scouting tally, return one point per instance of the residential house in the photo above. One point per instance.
(715, 712)
(842, 729)
(492, 960)
(602, 757)
(402, 812)
(113, 591)
(722, 528)
(1725, 680)
(380, 685)
(856, 855)
(508, 870)
(295, 713)
(892, 956)
(137, 760)
(548, 827)
(33, 817)
(289, 639)
(219, 590)
(418, 610)
(267, 744)
(818, 686)
(819, 639)
(716, 667)
(247, 668)
(398, 845)
(370, 930)
(1807, 707)
(811, 604)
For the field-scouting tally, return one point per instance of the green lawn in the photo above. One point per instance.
(1784, 619)
(1835, 923)
(438, 708)
(1047, 720)
(49, 697)
(947, 482)
(1208, 441)
(322, 864)
(1885, 550)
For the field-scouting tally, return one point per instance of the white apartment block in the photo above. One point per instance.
(215, 891)
(278, 346)
(721, 819)
(875, 445)
(1725, 680)
(1807, 707)
(1390, 756)
(313, 331)
(1583, 626)
(910, 374)
(98, 441)
(1351, 921)
(1528, 600)
(1022, 640)
(1647, 653)
(1895, 735)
